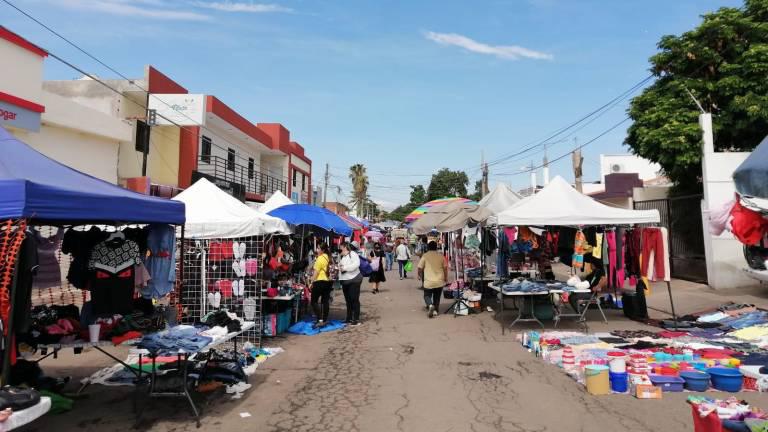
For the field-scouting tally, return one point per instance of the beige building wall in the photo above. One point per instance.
(23, 75)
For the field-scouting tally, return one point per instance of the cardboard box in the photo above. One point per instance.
(646, 391)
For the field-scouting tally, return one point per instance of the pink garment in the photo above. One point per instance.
(718, 219)
(224, 287)
(610, 237)
(142, 276)
(251, 266)
(510, 233)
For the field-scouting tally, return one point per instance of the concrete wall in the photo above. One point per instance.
(221, 141)
(21, 77)
(650, 193)
(724, 253)
(162, 160)
(646, 169)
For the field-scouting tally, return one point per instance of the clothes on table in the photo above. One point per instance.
(181, 337)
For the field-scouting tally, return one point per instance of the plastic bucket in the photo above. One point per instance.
(617, 361)
(726, 379)
(598, 382)
(619, 382)
(695, 381)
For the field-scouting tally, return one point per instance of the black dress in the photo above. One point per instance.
(378, 275)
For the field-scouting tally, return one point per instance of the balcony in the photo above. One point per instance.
(237, 179)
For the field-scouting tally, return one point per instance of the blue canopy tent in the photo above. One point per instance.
(304, 214)
(751, 177)
(35, 187)
(43, 191)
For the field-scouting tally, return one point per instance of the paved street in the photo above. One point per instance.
(403, 372)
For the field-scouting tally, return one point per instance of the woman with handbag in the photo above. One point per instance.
(351, 279)
(321, 285)
(377, 265)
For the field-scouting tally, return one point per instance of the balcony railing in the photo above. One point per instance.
(253, 181)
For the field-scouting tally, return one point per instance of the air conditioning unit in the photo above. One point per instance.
(617, 168)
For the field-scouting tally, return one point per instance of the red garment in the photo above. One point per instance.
(653, 242)
(715, 354)
(672, 334)
(748, 226)
(218, 251)
(225, 288)
(117, 340)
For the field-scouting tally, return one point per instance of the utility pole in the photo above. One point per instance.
(545, 165)
(578, 161)
(533, 179)
(484, 167)
(325, 188)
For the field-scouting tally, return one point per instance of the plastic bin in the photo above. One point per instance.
(667, 383)
(695, 381)
(619, 383)
(726, 379)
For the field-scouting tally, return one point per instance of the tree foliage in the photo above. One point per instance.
(447, 183)
(477, 195)
(724, 63)
(359, 178)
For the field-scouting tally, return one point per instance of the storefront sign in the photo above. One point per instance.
(237, 190)
(11, 115)
(180, 109)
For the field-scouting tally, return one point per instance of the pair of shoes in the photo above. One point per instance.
(435, 312)
(355, 323)
(430, 311)
(373, 291)
(319, 324)
(401, 278)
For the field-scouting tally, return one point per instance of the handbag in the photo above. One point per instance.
(408, 266)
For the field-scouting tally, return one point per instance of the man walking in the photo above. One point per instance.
(403, 255)
(433, 271)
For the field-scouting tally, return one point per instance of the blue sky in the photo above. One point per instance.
(405, 87)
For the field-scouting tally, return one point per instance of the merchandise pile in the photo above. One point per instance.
(729, 353)
(729, 414)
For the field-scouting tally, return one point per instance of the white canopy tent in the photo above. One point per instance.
(559, 204)
(498, 200)
(212, 213)
(277, 200)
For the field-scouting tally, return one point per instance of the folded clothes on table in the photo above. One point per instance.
(181, 337)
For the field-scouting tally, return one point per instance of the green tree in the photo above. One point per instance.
(359, 178)
(418, 195)
(477, 195)
(447, 183)
(724, 63)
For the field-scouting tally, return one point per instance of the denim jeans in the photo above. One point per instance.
(401, 264)
(432, 297)
(390, 260)
(351, 290)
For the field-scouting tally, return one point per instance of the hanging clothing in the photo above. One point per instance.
(597, 251)
(719, 219)
(113, 255)
(632, 252)
(748, 226)
(502, 268)
(488, 244)
(161, 262)
(49, 271)
(620, 272)
(579, 249)
(653, 251)
(79, 245)
(610, 239)
(26, 272)
(112, 292)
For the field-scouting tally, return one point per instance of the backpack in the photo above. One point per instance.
(365, 266)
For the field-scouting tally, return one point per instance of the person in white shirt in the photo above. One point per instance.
(403, 255)
(351, 279)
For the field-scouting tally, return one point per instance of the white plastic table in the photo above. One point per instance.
(518, 294)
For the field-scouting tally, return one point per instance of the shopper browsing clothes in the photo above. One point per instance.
(377, 265)
(433, 272)
(389, 251)
(403, 255)
(351, 279)
(321, 285)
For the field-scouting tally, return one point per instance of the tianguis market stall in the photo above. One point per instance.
(610, 245)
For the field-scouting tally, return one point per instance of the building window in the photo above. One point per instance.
(294, 178)
(251, 164)
(303, 183)
(231, 159)
(205, 151)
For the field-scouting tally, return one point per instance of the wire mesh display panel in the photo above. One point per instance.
(226, 275)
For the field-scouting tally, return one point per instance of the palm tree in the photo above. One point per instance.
(359, 180)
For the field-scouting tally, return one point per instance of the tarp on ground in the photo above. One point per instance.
(277, 200)
(213, 213)
(751, 177)
(559, 204)
(501, 198)
(36, 187)
(305, 214)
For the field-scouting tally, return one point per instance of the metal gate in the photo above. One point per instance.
(682, 217)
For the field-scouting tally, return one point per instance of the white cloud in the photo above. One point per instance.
(508, 52)
(149, 9)
(228, 6)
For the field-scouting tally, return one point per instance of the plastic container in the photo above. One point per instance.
(617, 361)
(667, 383)
(597, 379)
(619, 383)
(695, 381)
(726, 379)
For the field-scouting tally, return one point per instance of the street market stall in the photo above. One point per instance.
(613, 251)
(39, 196)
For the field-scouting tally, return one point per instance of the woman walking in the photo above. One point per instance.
(351, 279)
(377, 265)
(321, 285)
